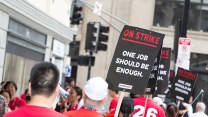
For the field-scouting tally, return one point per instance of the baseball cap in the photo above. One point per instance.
(96, 88)
(158, 100)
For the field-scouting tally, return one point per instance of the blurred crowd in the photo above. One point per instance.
(43, 99)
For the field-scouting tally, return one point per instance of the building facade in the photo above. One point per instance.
(30, 35)
(156, 15)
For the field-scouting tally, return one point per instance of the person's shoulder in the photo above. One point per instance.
(14, 113)
(81, 113)
(2, 99)
(196, 115)
(139, 99)
(56, 114)
(71, 113)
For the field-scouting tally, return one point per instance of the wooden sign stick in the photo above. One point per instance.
(121, 95)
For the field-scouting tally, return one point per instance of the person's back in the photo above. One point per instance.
(94, 96)
(114, 101)
(34, 111)
(84, 112)
(43, 87)
(150, 107)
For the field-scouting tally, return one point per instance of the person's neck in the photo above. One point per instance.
(115, 96)
(93, 103)
(41, 101)
(13, 97)
(74, 103)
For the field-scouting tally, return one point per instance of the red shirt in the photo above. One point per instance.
(151, 110)
(34, 111)
(16, 103)
(113, 104)
(71, 108)
(83, 113)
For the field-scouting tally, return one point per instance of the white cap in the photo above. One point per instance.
(96, 88)
(158, 100)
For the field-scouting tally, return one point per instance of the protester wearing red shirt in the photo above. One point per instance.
(15, 101)
(43, 87)
(94, 96)
(74, 97)
(151, 108)
(114, 101)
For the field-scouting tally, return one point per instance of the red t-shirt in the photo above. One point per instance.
(16, 103)
(113, 104)
(151, 110)
(71, 108)
(83, 113)
(34, 111)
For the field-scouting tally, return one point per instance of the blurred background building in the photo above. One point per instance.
(40, 30)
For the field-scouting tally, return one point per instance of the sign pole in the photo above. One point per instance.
(145, 105)
(89, 65)
(119, 103)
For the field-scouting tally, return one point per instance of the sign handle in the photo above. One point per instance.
(145, 105)
(119, 103)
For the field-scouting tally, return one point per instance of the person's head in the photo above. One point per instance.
(6, 95)
(127, 107)
(200, 107)
(44, 80)
(11, 87)
(113, 93)
(132, 95)
(71, 82)
(27, 95)
(171, 110)
(158, 100)
(2, 85)
(75, 94)
(95, 91)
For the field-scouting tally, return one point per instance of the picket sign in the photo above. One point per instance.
(121, 95)
(133, 61)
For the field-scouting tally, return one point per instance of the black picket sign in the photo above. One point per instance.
(183, 85)
(163, 75)
(133, 59)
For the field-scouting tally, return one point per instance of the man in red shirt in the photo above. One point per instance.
(114, 101)
(43, 87)
(94, 96)
(146, 106)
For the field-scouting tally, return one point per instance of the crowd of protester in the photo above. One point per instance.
(43, 91)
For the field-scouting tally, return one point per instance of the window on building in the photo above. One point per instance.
(25, 47)
(198, 64)
(168, 11)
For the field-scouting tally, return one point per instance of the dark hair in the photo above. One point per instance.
(78, 91)
(44, 78)
(71, 80)
(2, 91)
(127, 106)
(10, 82)
(116, 91)
(172, 110)
(26, 90)
(3, 82)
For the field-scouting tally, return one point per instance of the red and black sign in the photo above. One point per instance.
(163, 75)
(183, 85)
(133, 59)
